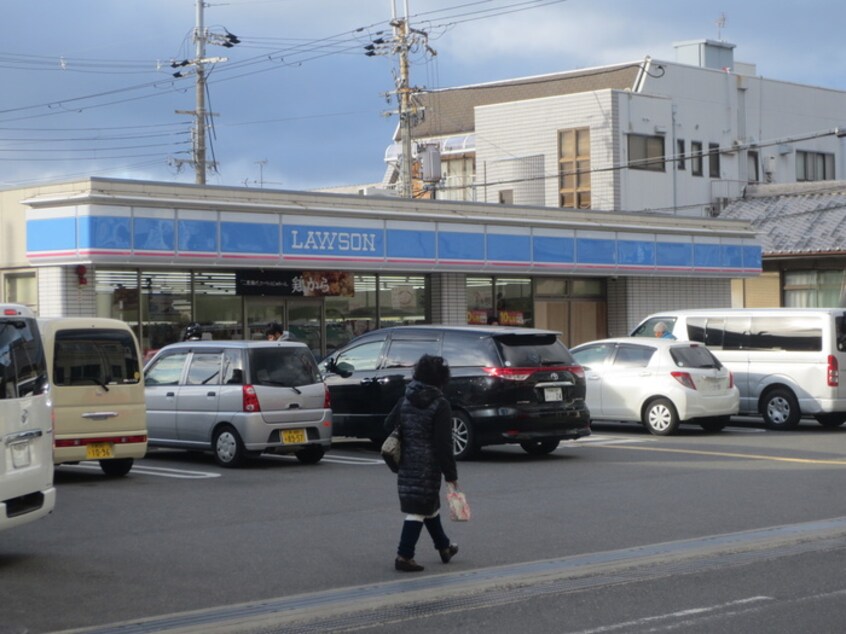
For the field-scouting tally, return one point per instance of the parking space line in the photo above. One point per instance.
(742, 456)
(141, 469)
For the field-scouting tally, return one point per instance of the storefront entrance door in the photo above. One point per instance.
(578, 320)
(301, 317)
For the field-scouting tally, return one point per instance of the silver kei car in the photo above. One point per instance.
(237, 399)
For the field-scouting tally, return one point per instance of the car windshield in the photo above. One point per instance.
(694, 357)
(286, 367)
(533, 350)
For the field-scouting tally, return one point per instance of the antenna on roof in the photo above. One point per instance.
(721, 24)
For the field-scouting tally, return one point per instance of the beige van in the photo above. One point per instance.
(94, 367)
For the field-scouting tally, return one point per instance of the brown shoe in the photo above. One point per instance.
(407, 565)
(448, 552)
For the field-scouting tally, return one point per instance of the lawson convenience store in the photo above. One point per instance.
(330, 266)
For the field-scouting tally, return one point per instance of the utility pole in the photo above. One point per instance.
(200, 139)
(201, 37)
(401, 28)
(404, 39)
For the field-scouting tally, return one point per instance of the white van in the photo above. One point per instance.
(26, 434)
(94, 365)
(786, 361)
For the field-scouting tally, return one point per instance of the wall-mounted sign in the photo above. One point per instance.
(294, 283)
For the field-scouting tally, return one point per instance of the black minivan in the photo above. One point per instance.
(508, 385)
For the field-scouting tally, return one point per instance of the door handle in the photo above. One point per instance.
(170, 394)
(99, 415)
(383, 381)
(210, 393)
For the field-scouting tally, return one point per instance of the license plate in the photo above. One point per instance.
(293, 436)
(20, 454)
(710, 384)
(552, 394)
(98, 450)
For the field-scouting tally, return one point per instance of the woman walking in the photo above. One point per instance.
(424, 417)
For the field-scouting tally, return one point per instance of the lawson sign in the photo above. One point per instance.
(136, 236)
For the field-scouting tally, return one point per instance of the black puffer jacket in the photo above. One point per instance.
(426, 435)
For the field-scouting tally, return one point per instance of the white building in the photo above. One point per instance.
(679, 137)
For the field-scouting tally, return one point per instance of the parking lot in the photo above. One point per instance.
(181, 534)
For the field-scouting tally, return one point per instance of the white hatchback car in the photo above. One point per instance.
(658, 382)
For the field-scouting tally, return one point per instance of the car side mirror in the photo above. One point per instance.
(344, 369)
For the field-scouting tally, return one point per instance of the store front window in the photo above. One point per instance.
(506, 301)
(217, 306)
(350, 316)
(165, 306)
(117, 297)
(158, 305)
(402, 300)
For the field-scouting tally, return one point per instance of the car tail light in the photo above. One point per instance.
(510, 374)
(251, 402)
(833, 374)
(521, 374)
(81, 442)
(685, 379)
(731, 379)
(327, 402)
(576, 370)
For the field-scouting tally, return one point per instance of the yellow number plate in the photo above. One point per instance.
(293, 436)
(97, 450)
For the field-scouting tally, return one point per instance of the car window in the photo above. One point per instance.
(694, 357)
(286, 367)
(22, 362)
(233, 367)
(362, 357)
(204, 369)
(594, 355)
(100, 356)
(647, 328)
(629, 356)
(532, 350)
(404, 353)
(166, 370)
(469, 350)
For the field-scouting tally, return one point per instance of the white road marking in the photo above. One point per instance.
(651, 620)
(142, 469)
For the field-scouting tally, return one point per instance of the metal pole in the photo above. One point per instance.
(200, 140)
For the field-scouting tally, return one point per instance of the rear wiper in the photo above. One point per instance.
(102, 384)
(269, 382)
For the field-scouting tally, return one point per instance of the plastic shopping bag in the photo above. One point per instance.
(459, 509)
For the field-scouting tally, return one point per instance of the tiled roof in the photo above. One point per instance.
(793, 222)
(450, 111)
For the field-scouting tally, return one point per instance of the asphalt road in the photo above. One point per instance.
(743, 531)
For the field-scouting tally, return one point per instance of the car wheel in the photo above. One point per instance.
(660, 417)
(311, 454)
(463, 439)
(540, 447)
(831, 420)
(780, 409)
(714, 425)
(228, 447)
(117, 467)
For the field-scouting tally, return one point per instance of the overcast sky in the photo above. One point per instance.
(88, 87)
